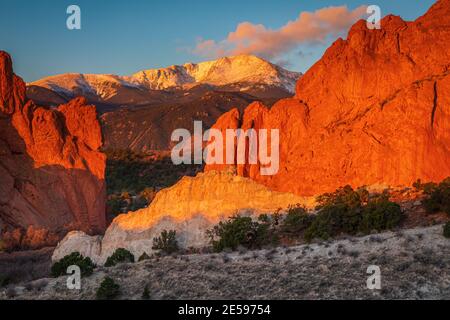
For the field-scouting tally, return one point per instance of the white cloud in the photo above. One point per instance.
(309, 27)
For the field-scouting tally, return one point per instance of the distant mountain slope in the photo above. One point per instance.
(150, 127)
(224, 71)
(141, 111)
(239, 73)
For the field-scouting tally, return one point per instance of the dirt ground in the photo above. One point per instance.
(414, 264)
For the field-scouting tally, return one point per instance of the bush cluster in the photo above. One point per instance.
(447, 230)
(296, 221)
(108, 289)
(243, 231)
(345, 211)
(166, 242)
(85, 263)
(437, 196)
(146, 293)
(143, 257)
(4, 280)
(121, 255)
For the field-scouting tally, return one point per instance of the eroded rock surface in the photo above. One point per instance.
(51, 169)
(190, 207)
(373, 110)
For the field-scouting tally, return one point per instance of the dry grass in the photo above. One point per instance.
(25, 265)
(336, 270)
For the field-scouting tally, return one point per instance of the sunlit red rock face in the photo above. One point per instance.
(374, 110)
(51, 170)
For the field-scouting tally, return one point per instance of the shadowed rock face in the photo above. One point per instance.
(51, 169)
(374, 110)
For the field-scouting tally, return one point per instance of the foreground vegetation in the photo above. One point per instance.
(344, 212)
(108, 290)
(84, 263)
(414, 264)
(121, 255)
(437, 196)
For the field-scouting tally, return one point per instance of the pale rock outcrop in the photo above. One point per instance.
(78, 241)
(190, 207)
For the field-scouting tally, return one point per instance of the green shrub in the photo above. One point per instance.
(108, 290)
(447, 230)
(119, 256)
(134, 172)
(138, 203)
(166, 242)
(327, 223)
(243, 231)
(296, 221)
(380, 215)
(351, 212)
(344, 196)
(345, 211)
(143, 257)
(437, 197)
(266, 234)
(4, 280)
(60, 268)
(146, 293)
(114, 205)
(425, 187)
(232, 233)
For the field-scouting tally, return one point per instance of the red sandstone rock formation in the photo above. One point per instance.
(374, 110)
(51, 169)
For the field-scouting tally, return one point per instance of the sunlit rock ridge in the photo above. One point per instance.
(373, 111)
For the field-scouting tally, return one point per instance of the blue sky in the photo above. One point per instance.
(123, 37)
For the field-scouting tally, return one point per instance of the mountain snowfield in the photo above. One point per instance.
(242, 69)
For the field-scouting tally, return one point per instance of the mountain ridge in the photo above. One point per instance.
(152, 103)
(217, 73)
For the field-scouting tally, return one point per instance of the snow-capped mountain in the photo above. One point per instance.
(140, 111)
(224, 71)
(246, 70)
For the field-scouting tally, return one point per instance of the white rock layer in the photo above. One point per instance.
(190, 207)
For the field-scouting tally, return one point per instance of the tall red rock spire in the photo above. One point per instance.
(51, 169)
(374, 110)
